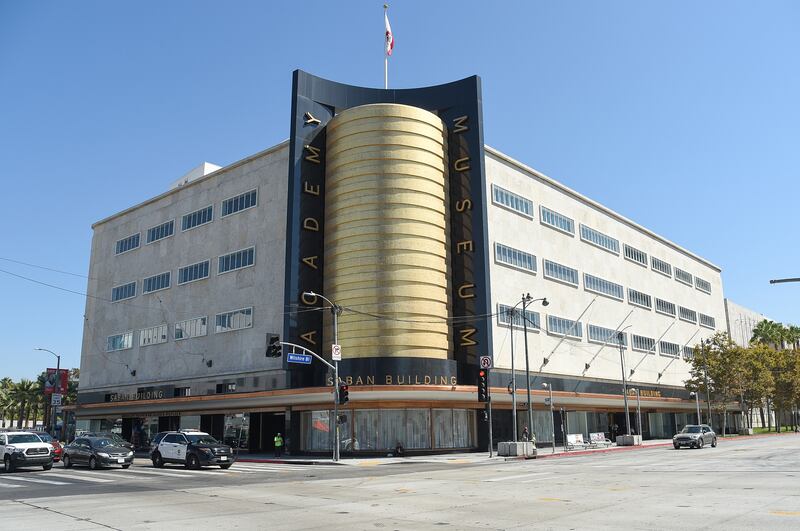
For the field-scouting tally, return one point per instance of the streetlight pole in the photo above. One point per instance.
(638, 415)
(336, 311)
(624, 382)
(527, 299)
(697, 404)
(513, 380)
(58, 386)
(707, 345)
(552, 416)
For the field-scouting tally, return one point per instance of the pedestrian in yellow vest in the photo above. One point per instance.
(278, 445)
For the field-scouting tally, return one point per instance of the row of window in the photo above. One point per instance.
(190, 273)
(566, 224)
(568, 275)
(197, 327)
(191, 220)
(596, 334)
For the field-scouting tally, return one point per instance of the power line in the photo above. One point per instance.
(45, 268)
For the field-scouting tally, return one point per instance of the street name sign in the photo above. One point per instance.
(299, 358)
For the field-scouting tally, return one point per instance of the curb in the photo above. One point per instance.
(286, 461)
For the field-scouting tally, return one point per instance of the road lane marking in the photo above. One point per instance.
(43, 481)
(3, 485)
(155, 472)
(79, 475)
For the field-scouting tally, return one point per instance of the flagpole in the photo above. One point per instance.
(385, 55)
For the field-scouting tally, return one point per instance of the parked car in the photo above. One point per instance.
(57, 447)
(117, 438)
(191, 448)
(23, 449)
(96, 452)
(695, 436)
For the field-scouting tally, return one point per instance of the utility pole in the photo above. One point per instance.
(552, 415)
(527, 299)
(513, 381)
(706, 343)
(624, 382)
(53, 414)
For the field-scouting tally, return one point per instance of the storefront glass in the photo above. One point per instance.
(190, 422)
(237, 430)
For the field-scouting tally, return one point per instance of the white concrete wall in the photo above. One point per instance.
(232, 353)
(741, 321)
(508, 284)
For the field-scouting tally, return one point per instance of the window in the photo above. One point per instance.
(156, 282)
(126, 291)
(193, 272)
(637, 298)
(661, 266)
(665, 307)
(235, 320)
(556, 220)
(564, 327)
(198, 217)
(182, 391)
(685, 314)
(226, 388)
(603, 287)
(702, 285)
(642, 343)
(555, 271)
(127, 244)
(517, 203)
(599, 239)
(683, 276)
(119, 342)
(514, 257)
(190, 328)
(670, 349)
(153, 335)
(236, 260)
(635, 255)
(707, 321)
(688, 353)
(159, 232)
(599, 334)
(504, 317)
(239, 203)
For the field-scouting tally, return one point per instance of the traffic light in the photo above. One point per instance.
(274, 348)
(483, 385)
(344, 395)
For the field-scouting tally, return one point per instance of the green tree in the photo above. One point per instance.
(758, 382)
(768, 332)
(22, 392)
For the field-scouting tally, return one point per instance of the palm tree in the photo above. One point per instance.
(22, 393)
(793, 336)
(768, 332)
(7, 406)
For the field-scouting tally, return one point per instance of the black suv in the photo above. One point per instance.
(192, 448)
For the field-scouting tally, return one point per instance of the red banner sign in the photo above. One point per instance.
(54, 384)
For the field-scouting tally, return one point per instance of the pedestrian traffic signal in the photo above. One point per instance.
(483, 385)
(274, 348)
(343, 394)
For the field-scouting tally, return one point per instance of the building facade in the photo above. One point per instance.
(389, 205)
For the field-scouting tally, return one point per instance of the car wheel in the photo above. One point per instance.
(158, 461)
(48, 466)
(8, 466)
(92, 463)
(225, 467)
(677, 446)
(67, 462)
(126, 466)
(192, 462)
(714, 442)
(699, 443)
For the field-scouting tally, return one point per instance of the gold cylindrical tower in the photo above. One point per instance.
(386, 240)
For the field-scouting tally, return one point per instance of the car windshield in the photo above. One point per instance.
(23, 438)
(202, 439)
(99, 443)
(691, 429)
(45, 437)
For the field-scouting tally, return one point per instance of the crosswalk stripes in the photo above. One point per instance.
(7, 486)
(518, 476)
(34, 480)
(83, 475)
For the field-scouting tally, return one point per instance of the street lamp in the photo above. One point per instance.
(638, 415)
(58, 386)
(620, 337)
(526, 299)
(336, 311)
(696, 397)
(552, 415)
(706, 344)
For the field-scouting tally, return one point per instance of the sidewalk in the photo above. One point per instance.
(475, 457)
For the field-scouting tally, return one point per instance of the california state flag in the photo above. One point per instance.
(389, 36)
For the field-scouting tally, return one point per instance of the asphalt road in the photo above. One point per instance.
(741, 484)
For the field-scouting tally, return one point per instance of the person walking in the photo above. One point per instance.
(278, 445)
(525, 434)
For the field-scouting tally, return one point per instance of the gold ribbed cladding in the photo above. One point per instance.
(385, 231)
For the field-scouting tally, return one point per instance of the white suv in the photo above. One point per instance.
(22, 448)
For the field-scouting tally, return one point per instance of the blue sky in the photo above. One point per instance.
(682, 116)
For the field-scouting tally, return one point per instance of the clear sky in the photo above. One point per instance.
(683, 116)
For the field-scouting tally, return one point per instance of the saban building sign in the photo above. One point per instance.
(315, 102)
